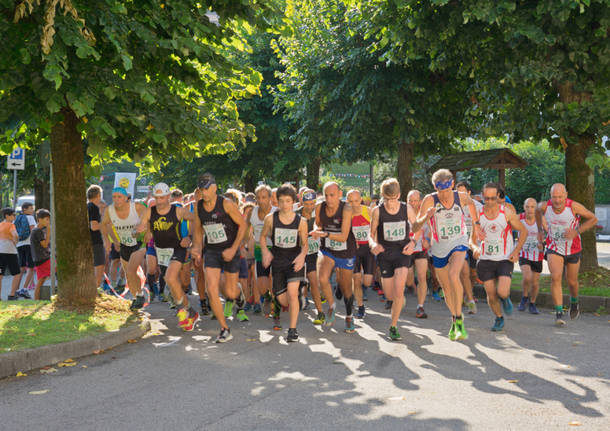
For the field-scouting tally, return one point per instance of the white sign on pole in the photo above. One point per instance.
(127, 180)
(16, 160)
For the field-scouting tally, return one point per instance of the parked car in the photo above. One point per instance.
(23, 199)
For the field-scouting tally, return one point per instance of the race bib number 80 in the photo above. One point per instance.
(215, 233)
(361, 232)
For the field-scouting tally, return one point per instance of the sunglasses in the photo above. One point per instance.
(490, 198)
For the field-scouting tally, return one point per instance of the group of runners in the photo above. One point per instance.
(267, 251)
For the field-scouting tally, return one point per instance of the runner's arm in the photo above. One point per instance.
(540, 210)
(107, 231)
(303, 235)
(233, 211)
(144, 222)
(318, 232)
(197, 245)
(346, 226)
(423, 216)
(517, 225)
(579, 209)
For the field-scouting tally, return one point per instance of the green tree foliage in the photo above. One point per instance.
(537, 69)
(146, 79)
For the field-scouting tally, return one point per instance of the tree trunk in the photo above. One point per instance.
(73, 242)
(313, 174)
(249, 183)
(42, 194)
(580, 178)
(404, 168)
(580, 182)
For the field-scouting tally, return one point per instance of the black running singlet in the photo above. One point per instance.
(165, 228)
(332, 224)
(393, 229)
(285, 239)
(219, 228)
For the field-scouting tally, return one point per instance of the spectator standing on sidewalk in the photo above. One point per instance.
(9, 263)
(24, 223)
(40, 240)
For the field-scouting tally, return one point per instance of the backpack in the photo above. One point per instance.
(23, 227)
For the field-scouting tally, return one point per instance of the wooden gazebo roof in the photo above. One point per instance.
(499, 158)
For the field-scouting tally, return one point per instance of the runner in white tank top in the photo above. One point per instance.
(530, 258)
(262, 283)
(119, 224)
(563, 243)
(449, 241)
(497, 253)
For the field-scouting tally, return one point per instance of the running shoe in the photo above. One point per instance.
(137, 303)
(559, 319)
(364, 295)
(224, 336)
(183, 316)
(380, 292)
(205, 307)
(533, 309)
(241, 315)
(192, 319)
(228, 308)
(172, 304)
(349, 325)
(338, 293)
(162, 297)
(436, 296)
(248, 306)
(394, 335)
(331, 317)
(305, 303)
(453, 332)
(12, 298)
(241, 299)
(420, 313)
(277, 325)
(460, 330)
(360, 314)
(292, 335)
(472, 307)
(320, 319)
(498, 324)
(257, 308)
(574, 310)
(388, 305)
(24, 294)
(507, 306)
(267, 305)
(523, 303)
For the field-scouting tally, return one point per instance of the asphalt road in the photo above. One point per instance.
(531, 376)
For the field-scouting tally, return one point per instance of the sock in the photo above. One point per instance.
(420, 305)
(239, 302)
(559, 309)
(453, 318)
(525, 297)
(574, 299)
(349, 303)
(179, 303)
(141, 294)
(458, 318)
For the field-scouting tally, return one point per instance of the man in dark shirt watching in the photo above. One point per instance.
(94, 201)
(40, 240)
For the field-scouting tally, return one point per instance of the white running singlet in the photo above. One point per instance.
(530, 250)
(558, 224)
(498, 243)
(125, 228)
(447, 227)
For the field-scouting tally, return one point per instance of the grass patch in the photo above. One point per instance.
(26, 324)
(591, 283)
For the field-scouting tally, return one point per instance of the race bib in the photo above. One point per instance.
(395, 231)
(492, 247)
(164, 255)
(285, 238)
(127, 237)
(531, 245)
(449, 228)
(336, 245)
(558, 232)
(313, 245)
(361, 232)
(215, 233)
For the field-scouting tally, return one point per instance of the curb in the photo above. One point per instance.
(31, 359)
(545, 300)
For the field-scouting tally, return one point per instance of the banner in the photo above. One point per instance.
(127, 180)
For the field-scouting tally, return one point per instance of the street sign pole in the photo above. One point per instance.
(15, 188)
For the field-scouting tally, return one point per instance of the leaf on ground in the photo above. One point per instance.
(20, 374)
(575, 424)
(154, 334)
(97, 352)
(48, 370)
(513, 381)
(69, 360)
(132, 341)
(66, 364)
(252, 339)
(83, 366)
(44, 391)
(412, 413)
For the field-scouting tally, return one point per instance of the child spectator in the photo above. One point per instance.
(40, 239)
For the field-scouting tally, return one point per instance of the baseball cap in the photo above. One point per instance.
(160, 189)
(206, 180)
